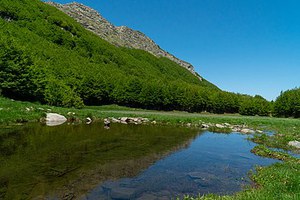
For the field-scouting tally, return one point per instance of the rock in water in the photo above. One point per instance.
(54, 119)
(88, 120)
(106, 122)
(123, 193)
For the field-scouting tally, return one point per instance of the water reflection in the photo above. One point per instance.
(37, 161)
(213, 163)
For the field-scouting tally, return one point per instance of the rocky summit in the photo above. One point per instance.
(119, 36)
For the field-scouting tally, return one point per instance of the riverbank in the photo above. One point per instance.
(278, 181)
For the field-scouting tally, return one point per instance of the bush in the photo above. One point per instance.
(59, 94)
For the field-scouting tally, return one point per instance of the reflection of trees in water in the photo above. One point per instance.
(71, 160)
(116, 170)
(10, 140)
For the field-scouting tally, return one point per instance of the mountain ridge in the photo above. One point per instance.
(124, 36)
(46, 56)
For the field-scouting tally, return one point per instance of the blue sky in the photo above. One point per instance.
(244, 46)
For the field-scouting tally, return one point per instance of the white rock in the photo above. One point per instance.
(220, 126)
(54, 119)
(106, 122)
(114, 120)
(88, 120)
(124, 119)
(205, 126)
(247, 131)
(295, 144)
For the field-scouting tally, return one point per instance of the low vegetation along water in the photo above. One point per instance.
(123, 162)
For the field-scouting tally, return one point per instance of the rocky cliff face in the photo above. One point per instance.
(120, 36)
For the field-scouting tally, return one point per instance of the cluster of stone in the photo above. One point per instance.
(120, 36)
(234, 128)
(129, 120)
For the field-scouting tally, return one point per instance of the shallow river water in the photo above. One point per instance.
(124, 162)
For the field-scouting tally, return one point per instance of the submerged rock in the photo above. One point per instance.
(295, 144)
(123, 193)
(54, 119)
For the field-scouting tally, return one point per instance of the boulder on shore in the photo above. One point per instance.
(54, 119)
(247, 131)
(295, 144)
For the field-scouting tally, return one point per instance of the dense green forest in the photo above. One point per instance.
(46, 56)
(288, 104)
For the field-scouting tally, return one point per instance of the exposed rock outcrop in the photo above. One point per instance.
(120, 36)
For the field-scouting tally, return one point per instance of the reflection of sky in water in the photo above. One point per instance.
(213, 163)
(294, 154)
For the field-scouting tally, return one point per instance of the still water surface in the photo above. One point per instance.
(212, 163)
(124, 162)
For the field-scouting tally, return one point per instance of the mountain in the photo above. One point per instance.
(120, 36)
(47, 56)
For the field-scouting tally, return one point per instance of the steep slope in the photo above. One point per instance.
(47, 56)
(121, 36)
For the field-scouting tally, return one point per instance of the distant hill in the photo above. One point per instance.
(120, 36)
(47, 56)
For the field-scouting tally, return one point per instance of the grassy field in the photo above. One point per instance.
(278, 181)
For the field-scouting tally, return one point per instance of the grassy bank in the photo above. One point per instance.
(278, 181)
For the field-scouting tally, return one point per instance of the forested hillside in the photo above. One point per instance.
(47, 56)
(123, 36)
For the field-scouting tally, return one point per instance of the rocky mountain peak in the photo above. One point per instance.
(120, 36)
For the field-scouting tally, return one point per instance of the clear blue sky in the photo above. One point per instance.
(244, 46)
